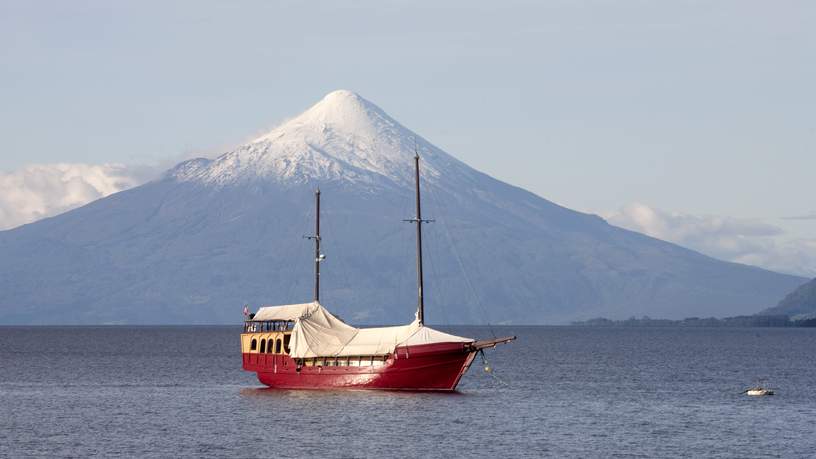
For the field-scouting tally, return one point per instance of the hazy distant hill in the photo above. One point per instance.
(800, 302)
(211, 235)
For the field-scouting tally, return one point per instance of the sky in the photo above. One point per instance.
(691, 121)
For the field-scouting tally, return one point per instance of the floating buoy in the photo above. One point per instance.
(759, 391)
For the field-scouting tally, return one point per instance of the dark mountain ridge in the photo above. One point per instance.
(798, 303)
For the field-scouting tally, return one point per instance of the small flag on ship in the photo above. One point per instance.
(246, 310)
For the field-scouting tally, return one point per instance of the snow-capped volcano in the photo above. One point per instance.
(213, 235)
(342, 137)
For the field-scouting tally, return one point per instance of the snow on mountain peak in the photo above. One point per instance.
(342, 137)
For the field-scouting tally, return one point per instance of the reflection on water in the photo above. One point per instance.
(155, 391)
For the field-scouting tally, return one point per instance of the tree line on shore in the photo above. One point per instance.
(737, 321)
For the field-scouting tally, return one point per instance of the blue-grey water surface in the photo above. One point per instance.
(558, 391)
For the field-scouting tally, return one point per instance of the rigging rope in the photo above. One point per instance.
(328, 217)
(435, 275)
(489, 370)
(456, 254)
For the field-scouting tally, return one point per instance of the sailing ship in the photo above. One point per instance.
(304, 346)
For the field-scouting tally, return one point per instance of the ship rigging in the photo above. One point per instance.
(304, 346)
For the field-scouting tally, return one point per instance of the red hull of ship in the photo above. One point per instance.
(430, 367)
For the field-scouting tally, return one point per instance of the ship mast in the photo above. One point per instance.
(318, 257)
(419, 221)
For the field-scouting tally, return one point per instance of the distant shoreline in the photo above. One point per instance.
(601, 322)
(738, 321)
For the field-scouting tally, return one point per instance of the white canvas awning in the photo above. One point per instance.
(318, 333)
(286, 312)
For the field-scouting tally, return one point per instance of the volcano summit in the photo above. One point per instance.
(209, 236)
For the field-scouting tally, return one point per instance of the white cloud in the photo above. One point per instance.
(750, 241)
(42, 190)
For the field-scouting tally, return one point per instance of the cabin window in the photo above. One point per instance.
(354, 362)
(309, 362)
(286, 339)
(263, 346)
(319, 362)
(329, 362)
(277, 346)
(377, 361)
(342, 362)
(254, 345)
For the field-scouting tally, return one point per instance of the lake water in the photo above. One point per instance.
(557, 391)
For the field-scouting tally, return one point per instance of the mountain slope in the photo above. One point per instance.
(800, 302)
(211, 235)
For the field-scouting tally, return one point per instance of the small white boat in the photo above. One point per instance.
(758, 391)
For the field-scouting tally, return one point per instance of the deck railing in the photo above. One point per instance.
(251, 326)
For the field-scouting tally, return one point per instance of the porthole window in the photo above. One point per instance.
(254, 345)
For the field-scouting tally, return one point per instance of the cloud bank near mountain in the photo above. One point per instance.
(211, 233)
(750, 241)
(42, 190)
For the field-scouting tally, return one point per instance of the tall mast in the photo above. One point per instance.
(421, 299)
(419, 221)
(318, 257)
(317, 246)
